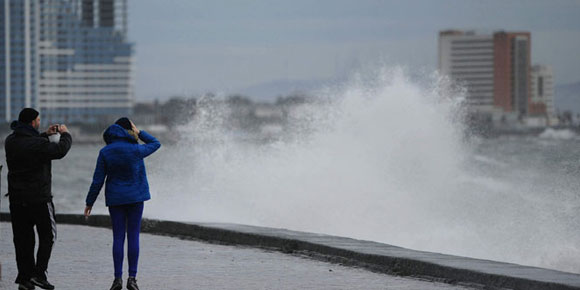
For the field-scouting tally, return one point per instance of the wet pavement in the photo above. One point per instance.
(82, 260)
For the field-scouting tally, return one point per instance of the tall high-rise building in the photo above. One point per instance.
(494, 68)
(512, 63)
(68, 58)
(18, 56)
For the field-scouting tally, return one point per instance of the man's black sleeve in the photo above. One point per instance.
(49, 150)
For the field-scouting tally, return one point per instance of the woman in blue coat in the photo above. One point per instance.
(120, 165)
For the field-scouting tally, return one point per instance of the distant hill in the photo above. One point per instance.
(567, 97)
(269, 91)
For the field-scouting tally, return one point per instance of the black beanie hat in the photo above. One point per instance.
(27, 115)
(125, 123)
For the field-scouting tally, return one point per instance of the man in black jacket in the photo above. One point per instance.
(28, 156)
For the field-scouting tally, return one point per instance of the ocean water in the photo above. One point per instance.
(380, 158)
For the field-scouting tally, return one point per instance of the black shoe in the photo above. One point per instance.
(25, 286)
(42, 283)
(132, 284)
(117, 284)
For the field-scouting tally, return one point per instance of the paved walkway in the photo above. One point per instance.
(82, 260)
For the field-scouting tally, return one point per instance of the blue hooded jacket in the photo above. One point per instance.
(121, 163)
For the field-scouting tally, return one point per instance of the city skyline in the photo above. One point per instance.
(193, 47)
(70, 59)
(501, 84)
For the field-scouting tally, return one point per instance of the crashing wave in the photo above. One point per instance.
(564, 134)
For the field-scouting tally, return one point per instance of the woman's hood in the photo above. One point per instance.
(116, 132)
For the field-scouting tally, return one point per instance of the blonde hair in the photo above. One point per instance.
(134, 134)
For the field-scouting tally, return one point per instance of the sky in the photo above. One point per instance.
(191, 47)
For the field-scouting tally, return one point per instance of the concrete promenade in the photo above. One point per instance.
(82, 260)
(380, 258)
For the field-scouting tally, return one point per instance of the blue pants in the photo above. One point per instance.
(126, 219)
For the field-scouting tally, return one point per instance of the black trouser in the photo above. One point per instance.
(24, 217)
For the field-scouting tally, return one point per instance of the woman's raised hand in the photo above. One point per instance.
(134, 128)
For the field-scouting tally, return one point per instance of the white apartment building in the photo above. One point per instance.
(468, 58)
(543, 90)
